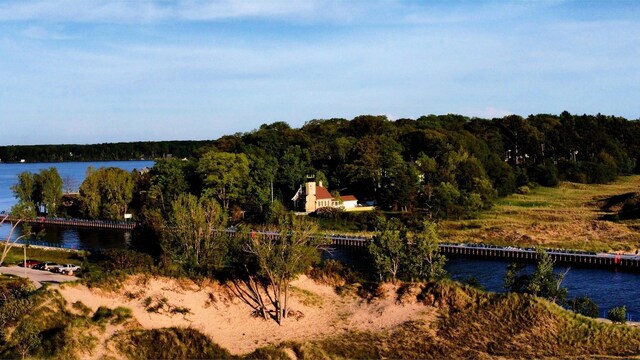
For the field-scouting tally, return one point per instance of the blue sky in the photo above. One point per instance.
(81, 71)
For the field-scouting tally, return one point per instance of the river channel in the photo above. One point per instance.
(608, 288)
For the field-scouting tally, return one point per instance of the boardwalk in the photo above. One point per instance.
(622, 261)
(96, 224)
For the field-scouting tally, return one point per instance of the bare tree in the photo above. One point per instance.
(20, 212)
(270, 260)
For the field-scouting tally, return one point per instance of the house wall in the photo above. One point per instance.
(350, 204)
(310, 201)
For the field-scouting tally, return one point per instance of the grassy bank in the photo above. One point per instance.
(568, 216)
(60, 256)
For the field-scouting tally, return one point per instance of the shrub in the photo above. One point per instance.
(82, 308)
(170, 343)
(103, 314)
(328, 212)
(115, 316)
(585, 306)
(127, 261)
(618, 314)
(523, 190)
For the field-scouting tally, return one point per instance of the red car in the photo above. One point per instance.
(29, 263)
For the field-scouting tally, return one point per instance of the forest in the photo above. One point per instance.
(446, 166)
(99, 152)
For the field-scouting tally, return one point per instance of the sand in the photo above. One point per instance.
(215, 311)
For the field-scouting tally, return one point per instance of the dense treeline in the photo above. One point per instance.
(100, 152)
(447, 166)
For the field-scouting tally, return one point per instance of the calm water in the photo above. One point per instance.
(74, 238)
(74, 170)
(608, 288)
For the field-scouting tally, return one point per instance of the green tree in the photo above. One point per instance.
(280, 259)
(50, 184)
(618, 314)
(585, 306)
(168, 180)
(388, 248)
(423, 259)
(193, 232)
(262, 173)
(543, 282)
(24, 189)
(224, 175)
(106, 193)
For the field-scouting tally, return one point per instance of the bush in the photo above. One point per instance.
(523, 190)
(584, 306)
(618, 314)
(127, 261)
(82, 308)
(115, 316)
(328, 213)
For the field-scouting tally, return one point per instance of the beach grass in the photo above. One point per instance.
(567, 216)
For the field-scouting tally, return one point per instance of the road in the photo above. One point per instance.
(38, 277)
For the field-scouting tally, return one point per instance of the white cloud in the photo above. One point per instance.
(488, 112)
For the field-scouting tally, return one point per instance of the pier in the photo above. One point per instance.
(569, 257)
(95, 224)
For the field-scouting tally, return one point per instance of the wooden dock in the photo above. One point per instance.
(570, 257)
(95, 224)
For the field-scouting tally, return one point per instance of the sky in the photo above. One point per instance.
(95, 71)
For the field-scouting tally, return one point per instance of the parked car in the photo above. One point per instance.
(29, 263)
(45, 266)
(66, 269)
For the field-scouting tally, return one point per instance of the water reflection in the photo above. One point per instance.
(74, 238)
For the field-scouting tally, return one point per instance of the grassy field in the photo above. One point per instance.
(568, 216)
(16, 256)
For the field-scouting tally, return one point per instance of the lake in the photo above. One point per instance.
(74, 170)
(67, 237)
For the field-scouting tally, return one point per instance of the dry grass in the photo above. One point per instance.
(564, 217)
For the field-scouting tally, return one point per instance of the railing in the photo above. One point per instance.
(96, 224)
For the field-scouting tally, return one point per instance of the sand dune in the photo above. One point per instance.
(215, 311)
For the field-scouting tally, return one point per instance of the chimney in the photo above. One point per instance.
(320, 183)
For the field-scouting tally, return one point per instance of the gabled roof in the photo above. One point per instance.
(348, 198)
(322, 193)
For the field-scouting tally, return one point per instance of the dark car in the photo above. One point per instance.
(29, 263)
(45, 266)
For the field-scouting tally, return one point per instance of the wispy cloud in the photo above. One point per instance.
(121, 11)
(46, 33)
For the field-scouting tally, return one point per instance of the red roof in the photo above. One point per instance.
(322, 193)
(348, 198)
